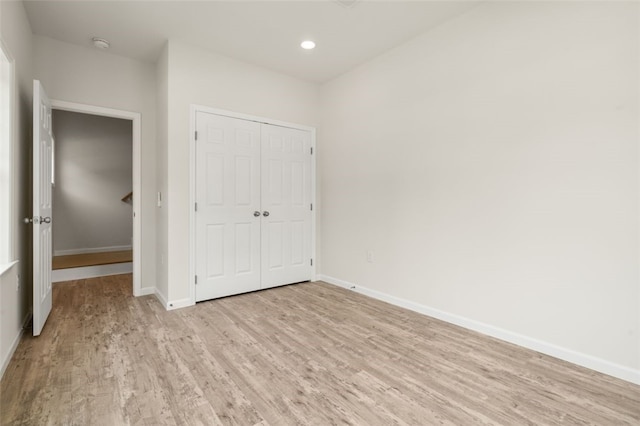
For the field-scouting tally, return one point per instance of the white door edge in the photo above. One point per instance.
(42, 157)
(194, 109)
(135, 118)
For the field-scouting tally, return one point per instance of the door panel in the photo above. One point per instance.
(227, 194)
(297, 242)
(275, 252)
(42, 169)
(215, 251)
(286, 195)
(243, 248)
(214, 182)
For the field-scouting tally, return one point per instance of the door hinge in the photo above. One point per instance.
(196, 135)
(311, 206)
(311, 150)
(311, 262)
(195, 207)
(196, 279)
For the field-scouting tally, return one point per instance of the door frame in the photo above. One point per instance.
(194, 109)
(135, 119)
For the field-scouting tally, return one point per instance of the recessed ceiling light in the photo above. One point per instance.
(100, 43)
(307, 44)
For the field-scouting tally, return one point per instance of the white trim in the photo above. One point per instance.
(194, 109)
(14, 345)
(584, 360)
(8, 251)
(241, 116)
(161, 298)
(177, 304)
(90, 250)
(136, 118)
(173, 304)
(146, 291)
(5, 267)
(85, 272)
(314, 202)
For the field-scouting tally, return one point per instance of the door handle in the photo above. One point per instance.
(256, 213)
(37, 219)
(265, 213)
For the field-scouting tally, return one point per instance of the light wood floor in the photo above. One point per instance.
(92, 259)
(308, 354)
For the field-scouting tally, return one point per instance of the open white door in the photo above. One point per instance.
(42, 169)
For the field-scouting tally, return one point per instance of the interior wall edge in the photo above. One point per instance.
(147, 291)
(161, 297)
(584, 360)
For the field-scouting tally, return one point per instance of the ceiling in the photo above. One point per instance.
(265, 33)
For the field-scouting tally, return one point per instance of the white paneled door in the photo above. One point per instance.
(253, 206)
(42, 179)
(227, 206)
(286, 198)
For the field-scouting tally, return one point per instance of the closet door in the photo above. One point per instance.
(286, 206)
(228, 206)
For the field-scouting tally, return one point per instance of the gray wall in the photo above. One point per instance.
(93, 172)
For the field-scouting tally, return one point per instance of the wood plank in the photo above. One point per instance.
(303, 354)
(92, 259)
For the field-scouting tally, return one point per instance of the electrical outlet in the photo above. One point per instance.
(369, 256)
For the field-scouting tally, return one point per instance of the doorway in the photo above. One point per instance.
(98, 248)
(92, 230)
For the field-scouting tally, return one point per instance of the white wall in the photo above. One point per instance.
(89, 76)
(14, 301)
(11, 316)
(196, 76)
(93, 171)
(491, 165)
(162, 224)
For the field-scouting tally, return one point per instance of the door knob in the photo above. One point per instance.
(265, 213)
(256, 213)
(37, 219)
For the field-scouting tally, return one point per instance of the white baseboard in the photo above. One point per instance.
(170, 305)
(584, 360)
(177, 304)
(161, 298)
(145, 291)
(90, 250)
(14, 346)
(84, 272)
